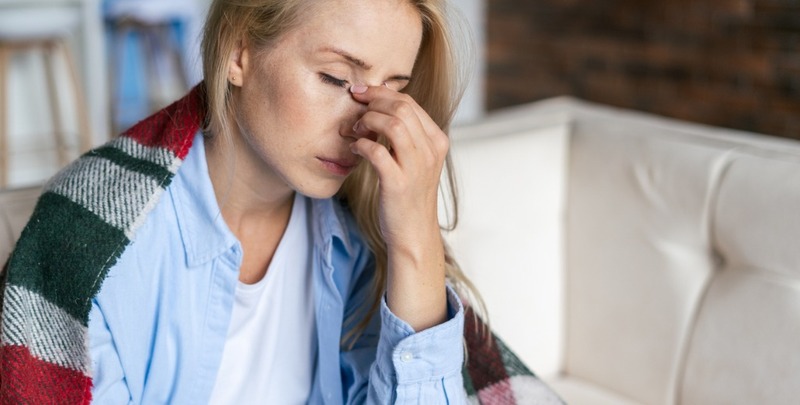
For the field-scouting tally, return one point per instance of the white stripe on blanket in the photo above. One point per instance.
(115, 194)
(50, 333)
(158, 155)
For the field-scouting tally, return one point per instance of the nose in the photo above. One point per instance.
(353, 113)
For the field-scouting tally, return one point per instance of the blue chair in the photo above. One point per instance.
(149, 62)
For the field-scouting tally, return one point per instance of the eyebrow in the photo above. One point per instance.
(360, 63)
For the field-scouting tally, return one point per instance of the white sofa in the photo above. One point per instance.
(631, 259)
(628, 259)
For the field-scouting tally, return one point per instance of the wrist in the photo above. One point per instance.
(415, 289)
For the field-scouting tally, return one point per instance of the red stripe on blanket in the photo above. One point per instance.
(173, 127)
(485, 365)
(28, 380)
(498, 394)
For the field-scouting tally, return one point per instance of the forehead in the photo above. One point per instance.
(384, 33)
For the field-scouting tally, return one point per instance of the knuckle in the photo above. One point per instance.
(402, 108)
(394, 124)
(442, 144)
(407, 98)
(380, 152)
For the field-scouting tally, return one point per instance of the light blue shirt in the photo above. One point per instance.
(158, 325)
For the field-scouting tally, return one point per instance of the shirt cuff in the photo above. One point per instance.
(428, 355)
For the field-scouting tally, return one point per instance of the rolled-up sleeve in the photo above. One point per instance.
(422, 367)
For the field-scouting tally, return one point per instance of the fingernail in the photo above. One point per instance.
(353, 149)
(358, 89)
(356, 125)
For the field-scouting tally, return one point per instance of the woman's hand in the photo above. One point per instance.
(409, 171)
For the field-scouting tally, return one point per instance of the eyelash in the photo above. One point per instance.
(326, 78)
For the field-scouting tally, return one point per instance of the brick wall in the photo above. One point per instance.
(730, 63)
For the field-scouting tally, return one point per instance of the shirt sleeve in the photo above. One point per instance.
(423, 367)
(108, 379)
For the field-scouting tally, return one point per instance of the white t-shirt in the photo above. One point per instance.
(271, 347)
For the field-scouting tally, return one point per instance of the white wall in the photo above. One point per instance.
(472, 106)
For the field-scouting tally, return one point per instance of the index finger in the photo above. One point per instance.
(368, 94)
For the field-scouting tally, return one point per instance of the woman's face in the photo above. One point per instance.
(295, 110)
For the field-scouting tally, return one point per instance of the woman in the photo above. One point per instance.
(291, 252)
(271, 238)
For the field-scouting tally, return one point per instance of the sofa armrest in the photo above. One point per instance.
(511, 183)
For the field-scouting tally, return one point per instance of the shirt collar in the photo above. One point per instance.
(203, 230)
(330, 222)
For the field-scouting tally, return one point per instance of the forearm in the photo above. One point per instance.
(408, 171)
(415, 289)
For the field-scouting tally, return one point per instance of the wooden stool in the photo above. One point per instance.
(49, 37)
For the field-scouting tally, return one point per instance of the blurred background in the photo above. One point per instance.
(75, 72)
(729, 63)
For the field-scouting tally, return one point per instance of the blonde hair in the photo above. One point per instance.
(437, 87)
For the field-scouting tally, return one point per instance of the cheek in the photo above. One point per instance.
(323, 107)
(298, 99)
(255, 105)
(298, 104)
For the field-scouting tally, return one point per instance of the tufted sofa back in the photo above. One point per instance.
(635, 259)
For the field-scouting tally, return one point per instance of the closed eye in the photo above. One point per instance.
(326, 78)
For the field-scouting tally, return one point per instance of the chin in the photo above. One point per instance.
(320, 189)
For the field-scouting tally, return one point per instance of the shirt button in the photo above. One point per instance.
(405, 357)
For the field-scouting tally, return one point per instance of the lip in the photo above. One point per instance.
(339, 167)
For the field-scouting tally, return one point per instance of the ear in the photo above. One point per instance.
(238, 64)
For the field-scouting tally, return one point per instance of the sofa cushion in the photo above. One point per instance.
(744, 346)
(577, 391)
(16, 207)
(757, 218)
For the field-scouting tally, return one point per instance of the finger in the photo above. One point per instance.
(436, 142)
(404, 110)
(404, 107)
(395, 131)
(371, 93)
(392, 102)
(379, 157)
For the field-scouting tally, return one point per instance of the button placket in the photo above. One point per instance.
(406, 356)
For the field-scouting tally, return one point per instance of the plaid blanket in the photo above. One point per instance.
(84, 220)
